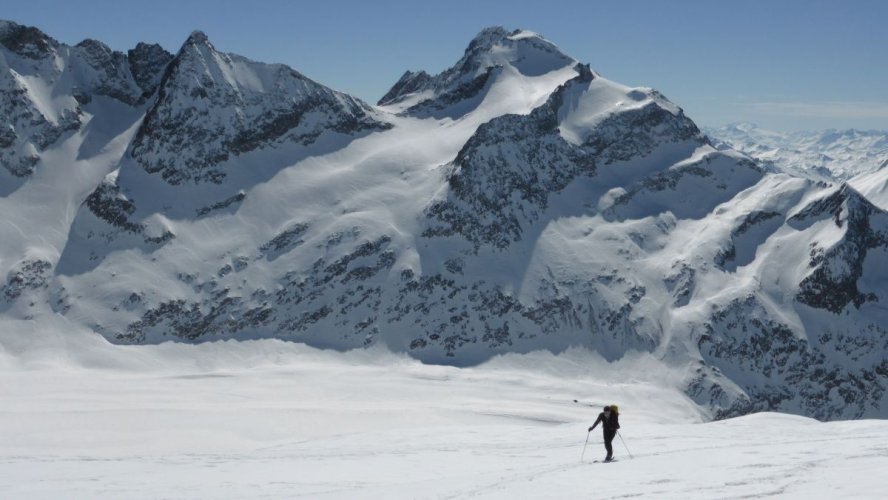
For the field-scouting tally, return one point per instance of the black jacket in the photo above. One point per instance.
(609, 424)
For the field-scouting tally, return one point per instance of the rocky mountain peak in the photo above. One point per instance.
(213, 106)
(526, 50)
(585, 72)
(409, 83)
(486, 39)
(522, 52)
(197, 38)
(108, 73)
(843, 204)
(147, 63)
(195, 54)
(837, 266)
(26, 41)
(95, 47)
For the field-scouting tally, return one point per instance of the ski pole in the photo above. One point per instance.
(584, 446)
(624, 445)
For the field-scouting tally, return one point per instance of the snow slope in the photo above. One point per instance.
(271, 419)
(874, 186)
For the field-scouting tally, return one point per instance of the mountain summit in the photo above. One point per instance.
(213, 106)
(48, 88)
(491, 54)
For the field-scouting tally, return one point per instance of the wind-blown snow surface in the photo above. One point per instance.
(269, 419)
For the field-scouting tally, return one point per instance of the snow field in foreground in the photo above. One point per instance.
(269, 419)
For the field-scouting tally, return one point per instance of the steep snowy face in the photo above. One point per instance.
(33, 119)
(837, 266)
(501, 180)
(109, 72)
(44, 87)
(220, 126)
(803, 326)
(873, 186)
(833, 155)
(492, 55)
(212, 107)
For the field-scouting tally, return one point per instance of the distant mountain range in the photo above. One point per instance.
(516, 201)
(832, 155)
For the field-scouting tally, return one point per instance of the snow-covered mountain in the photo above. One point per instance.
(493, 57)
(517, 201)
(45, 86)
(831, 155)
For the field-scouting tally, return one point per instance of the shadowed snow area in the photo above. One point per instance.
(271, 419)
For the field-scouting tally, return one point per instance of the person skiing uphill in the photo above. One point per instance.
(610, 422)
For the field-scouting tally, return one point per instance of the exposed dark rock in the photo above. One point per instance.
(454, 265)
(779, 368)
(29, 275)
(147, 63)
(636, 133)
(197, 123)
(690, 190)
(241, 263)
(112, 70)
(285, 241)
(26, 41)
(22, 114)
(438, 105)
(750, 220)
(108, 204)
(832, 285)
(25, 130)
(501, 180)
(301, 323)
(409, 83)
(7, 137)
(239, 197)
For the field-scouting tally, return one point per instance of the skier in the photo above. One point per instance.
(609, 420)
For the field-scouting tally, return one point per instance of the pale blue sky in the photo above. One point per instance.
(786, 65)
